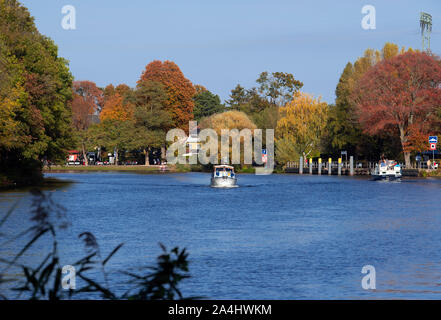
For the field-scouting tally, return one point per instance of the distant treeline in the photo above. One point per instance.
(387, 102)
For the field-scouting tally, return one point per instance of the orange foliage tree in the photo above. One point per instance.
(402, 92)
(116, 106)
(199, 89)
(87, 100)
(180, 90)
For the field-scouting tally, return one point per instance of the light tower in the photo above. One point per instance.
(426, 29)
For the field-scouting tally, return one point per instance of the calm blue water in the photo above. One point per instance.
(274, 237)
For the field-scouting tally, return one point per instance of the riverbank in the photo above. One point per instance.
(134, 168)
(430, 173)
(146, 169)
(199, 168)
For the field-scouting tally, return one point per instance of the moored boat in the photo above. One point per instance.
(387, 170)
(223, 177)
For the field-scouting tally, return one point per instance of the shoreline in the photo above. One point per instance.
(152, 169)
(155, 169)
(110, 168)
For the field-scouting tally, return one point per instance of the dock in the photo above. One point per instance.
(340, 168)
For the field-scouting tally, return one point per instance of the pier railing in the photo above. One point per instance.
(340, 167)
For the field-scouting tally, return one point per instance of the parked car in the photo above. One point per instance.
(129, 163)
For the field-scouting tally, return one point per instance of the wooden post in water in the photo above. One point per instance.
(319, 172)
(351, 165)
(310, 165)
(301, 165)
(339, 166)
(329, 166)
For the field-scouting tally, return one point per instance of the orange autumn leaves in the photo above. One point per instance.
(116, 105)
(180, 92)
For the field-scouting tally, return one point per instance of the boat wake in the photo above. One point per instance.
(225, 187)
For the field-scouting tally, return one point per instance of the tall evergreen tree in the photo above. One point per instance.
(206, 104)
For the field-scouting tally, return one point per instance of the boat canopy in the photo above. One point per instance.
(223, 166)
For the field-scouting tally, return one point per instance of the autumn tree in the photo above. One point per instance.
(117, 105)
(180, 90)
(87, 101)
(402, 92)
(133, 119)
(343, 130)
(12, 97)
(199, 89)
(35, 88)
(229, 120)
(300, 128)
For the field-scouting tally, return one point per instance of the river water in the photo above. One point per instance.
(273, 237)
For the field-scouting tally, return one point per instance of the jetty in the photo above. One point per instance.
(339, 167)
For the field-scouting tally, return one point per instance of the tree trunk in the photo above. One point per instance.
(407, 160)
(163, 154)
(86, 161)
(146, 154)
(403, 139)
(116, 157)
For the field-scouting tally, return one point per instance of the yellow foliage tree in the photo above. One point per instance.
(12, 134)
(300, 128)
(228, 120)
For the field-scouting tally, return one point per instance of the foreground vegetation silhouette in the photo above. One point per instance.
(159, 282)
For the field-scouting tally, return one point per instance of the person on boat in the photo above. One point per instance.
(383, 161)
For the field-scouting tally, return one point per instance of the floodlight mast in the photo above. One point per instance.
(426, 29)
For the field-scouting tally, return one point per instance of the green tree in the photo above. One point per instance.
(278, 87)
(43, 87)
(113, 135)
(262, 104)
(151, 117)
(206, 104)
(238, 97)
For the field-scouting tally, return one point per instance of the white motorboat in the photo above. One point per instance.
(223, 177)
(387, 170)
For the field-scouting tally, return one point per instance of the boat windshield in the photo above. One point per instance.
(220, 172)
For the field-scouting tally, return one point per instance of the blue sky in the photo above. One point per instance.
(222, 43)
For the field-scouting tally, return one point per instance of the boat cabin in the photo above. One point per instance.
(387, 164)
(224, 171)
